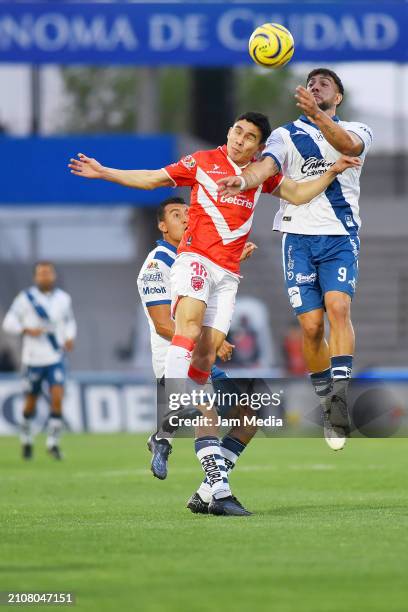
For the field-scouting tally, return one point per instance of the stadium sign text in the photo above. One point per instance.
(154, 34)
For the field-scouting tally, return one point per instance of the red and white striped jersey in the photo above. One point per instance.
(218, 225)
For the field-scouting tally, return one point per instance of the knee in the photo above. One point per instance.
(338, 311)
(313, 330)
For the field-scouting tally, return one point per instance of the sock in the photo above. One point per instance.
(209, 455)
(26, 433)
(231, 448)
(322, 384)
(178, 357)
(341, 367)
(54, 429)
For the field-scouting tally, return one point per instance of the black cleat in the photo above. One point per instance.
(197, 505)
(55, 451)
(27, 451)
(227, 506)
(173, 419)
(160, 450)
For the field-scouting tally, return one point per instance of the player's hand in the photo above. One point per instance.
(307, 103)
(230, 185)
(69, 345)
(85, 166)
(225, 351)
(248, 250)
(34, 331)
(344, 162)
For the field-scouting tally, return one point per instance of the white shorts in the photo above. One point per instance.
(196, 276)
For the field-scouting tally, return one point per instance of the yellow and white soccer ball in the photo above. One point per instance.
(271, 45)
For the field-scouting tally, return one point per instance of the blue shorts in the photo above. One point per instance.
(34, 377)
(314, 265)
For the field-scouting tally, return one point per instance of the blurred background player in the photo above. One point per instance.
(320, 243)
(155, 293)
(205, 275)
(43, 316)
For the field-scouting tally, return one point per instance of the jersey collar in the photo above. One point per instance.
(166, 244)
(306, 120)
(237, 168)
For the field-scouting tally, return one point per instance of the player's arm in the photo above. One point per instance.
(70, 327)
(256, 173)
(138, 179)
(162, 321)
(13, 322)
(347, 143)
(302, 192)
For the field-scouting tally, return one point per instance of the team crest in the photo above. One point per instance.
(189, 162)
(197, 283)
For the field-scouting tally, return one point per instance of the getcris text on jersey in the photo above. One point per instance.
(218, 225)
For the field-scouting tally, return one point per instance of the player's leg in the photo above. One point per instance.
(306, 298)
(160, 443)
(32, 385)
(56, 379)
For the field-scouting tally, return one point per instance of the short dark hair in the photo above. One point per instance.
(329, 73)
(260, 120)
(162, 206)
(43, 262)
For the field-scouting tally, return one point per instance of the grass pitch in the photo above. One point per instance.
(329, 533)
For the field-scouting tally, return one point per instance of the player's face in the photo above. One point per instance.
(243, 142)
(45, 277)
(324, 91)
(175, 222)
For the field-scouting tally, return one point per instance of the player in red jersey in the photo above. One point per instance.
(205, 275)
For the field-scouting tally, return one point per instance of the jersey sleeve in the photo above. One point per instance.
(69, 320)
(183, 172)
(272, 183)
(154, 280)
(276, 148)
(13, 321)
(364, 132)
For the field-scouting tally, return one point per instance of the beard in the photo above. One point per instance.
(325, 105)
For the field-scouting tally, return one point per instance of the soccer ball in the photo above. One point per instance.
(271, 45)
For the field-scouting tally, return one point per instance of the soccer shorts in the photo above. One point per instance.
(197, 277)
(314, 265)
(35, 376)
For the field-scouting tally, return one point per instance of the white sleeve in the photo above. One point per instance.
(13, 321)
(70, 323)
(364, 132)
(276, 148)
(154, 282)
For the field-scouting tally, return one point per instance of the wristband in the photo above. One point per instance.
(243, 183)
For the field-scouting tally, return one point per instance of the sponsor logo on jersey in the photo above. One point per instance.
(291, 261)
(349, 221)
(313, 166)
(238, 200)
(197, 283)
(290, 275)
(294, 297)
(216, 170)
(352, 282)
(287, 219)
(303, 279)
(153, 290)
(153, 265)
(189, 162)
(300, 132)
(154, 277)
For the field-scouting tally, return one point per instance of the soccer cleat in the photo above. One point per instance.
(173, 419)
(334, 436)
(197, 505)
(160, 450)
(55, 451)
(227, 506)
(27, 451)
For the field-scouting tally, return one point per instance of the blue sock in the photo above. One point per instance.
(231, 448)
(322, 382)
(341, 366)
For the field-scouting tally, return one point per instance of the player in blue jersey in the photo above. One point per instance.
(320, 243)
(154, 290)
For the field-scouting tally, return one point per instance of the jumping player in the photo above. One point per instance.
(43, 316)
(205, 275)
(320, 243)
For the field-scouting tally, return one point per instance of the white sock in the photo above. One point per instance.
(209, 455)
(54, 431)
(231, 449)
(26, 431)
(178, 357)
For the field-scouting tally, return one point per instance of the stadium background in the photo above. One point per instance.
(138, 85)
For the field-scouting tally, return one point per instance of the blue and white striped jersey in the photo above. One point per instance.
(153, 284)
(302, 153)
